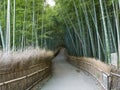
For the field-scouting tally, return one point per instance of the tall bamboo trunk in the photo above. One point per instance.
(8, 27)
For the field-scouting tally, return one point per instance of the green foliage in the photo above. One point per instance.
(86, 27)
(24, 23)
(91, 31)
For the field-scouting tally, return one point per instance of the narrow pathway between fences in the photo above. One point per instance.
(68, 77)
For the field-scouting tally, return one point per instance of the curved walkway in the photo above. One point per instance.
(67, 77)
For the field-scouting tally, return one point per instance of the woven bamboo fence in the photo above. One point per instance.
(24, 76)
(115, 82)
(99, 70)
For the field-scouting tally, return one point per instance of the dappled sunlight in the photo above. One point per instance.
(50, 2)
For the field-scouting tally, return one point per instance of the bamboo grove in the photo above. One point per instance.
(89, 28)
(92, 28)
(28, 23)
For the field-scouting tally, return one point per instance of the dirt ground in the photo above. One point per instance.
(68, 77)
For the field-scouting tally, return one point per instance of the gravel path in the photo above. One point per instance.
(68, 77)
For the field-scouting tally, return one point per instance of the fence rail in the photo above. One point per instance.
(101, 75)
(20, 69)
(115, 74)
(108, 78)
(115, 81)
(24, 77)
(25, 74)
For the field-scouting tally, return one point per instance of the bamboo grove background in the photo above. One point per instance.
(89, 28)
(92, 28)
(25, 23)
